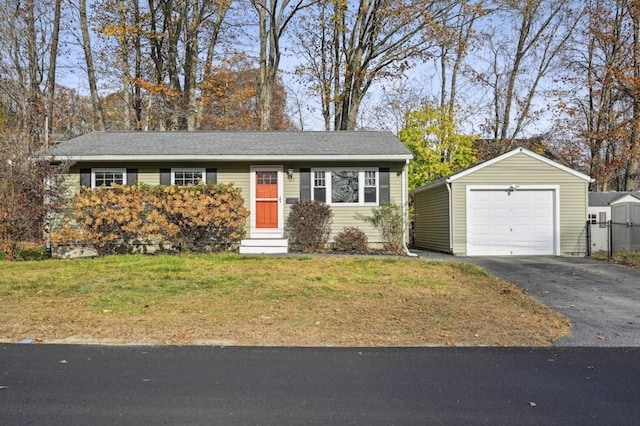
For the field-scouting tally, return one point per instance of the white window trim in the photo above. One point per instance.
(188, 169)
(107, 169)
(361, 186)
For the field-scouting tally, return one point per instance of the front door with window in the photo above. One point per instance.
(267, 202)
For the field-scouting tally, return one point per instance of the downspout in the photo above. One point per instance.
(405, 208)
(448, 185)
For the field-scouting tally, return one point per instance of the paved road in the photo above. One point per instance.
(602, 300)
(103, 385)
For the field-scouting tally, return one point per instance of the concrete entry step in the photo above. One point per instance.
(264, 246)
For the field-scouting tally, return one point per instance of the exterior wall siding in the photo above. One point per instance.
(521, 169)
(345, 216)
(431, 219)
(239, 174)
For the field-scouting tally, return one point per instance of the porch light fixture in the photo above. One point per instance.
(290, 173)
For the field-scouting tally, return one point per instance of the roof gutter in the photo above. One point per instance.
(231, 158)
(448, 185)
(405, 208)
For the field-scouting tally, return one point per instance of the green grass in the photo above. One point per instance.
(269, 300)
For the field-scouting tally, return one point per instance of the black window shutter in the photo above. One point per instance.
(305, 184)
(132, 176)
(165, 176)
(212, 175)
(85, 177)
(385, 189)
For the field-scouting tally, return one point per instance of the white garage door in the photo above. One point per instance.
(501, 222)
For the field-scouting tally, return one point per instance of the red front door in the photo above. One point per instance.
(266, 199)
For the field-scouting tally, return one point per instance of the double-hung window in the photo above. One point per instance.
(184, 177)
(348, 186)
(107, 177)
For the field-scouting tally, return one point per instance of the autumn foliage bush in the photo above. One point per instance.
(29, 190)
(308, 226)
(351, 240)
(200, 218)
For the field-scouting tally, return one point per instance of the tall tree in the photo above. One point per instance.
(351, 45)
(600, 101)
(453, 48)
(157, 52)
(29, 45)
(274, 17)
(53, 60)
(98, 115)
(230, 99)
(631, 87)
(437, 149)
(520, 53)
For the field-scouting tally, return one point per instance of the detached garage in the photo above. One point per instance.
(519, 203)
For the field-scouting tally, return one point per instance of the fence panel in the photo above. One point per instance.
(612, 237)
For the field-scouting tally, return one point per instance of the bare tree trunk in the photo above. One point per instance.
(124, 63)
(35, 107)
(98, 116)
(213, 43)
(191, 22)
(267, 60)
(339, 40)
(137, 45)
(631, 177)
(53, 59)
(273, 18)
(173, 28)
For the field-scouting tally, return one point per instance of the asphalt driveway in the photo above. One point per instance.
(601, 300)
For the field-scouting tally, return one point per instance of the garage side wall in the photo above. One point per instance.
(521, 169)
(431, 219)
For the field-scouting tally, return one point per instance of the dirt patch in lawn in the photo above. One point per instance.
(291, 301)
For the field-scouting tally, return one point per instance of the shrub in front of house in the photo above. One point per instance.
(351, 240)
(308, 226)
(209, 217)
(388, 220)
(125, 219)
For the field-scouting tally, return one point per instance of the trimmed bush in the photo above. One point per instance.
(308, 226)
(387, 219)
(351, 240)
(201, 218)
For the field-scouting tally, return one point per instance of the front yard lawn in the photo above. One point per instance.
(286, 301)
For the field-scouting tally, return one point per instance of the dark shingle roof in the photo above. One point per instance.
(232, 145)
(597, 199)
